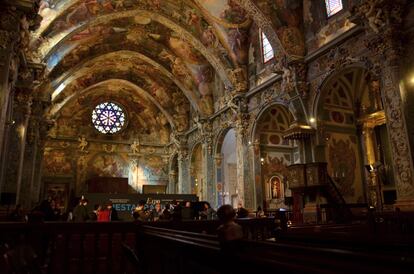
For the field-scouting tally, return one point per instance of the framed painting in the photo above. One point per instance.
(58, 192)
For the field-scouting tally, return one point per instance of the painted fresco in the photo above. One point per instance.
(57, 162)
(107, 165)
(286, 17)
(345, 165)
(185, 63)
(231, 24)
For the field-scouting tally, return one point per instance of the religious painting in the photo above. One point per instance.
(108, 165)
(57, 192)
(56, 162)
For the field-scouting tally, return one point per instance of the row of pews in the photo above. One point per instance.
(192, 247)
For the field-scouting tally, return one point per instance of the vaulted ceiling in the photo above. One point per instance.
(166, 56)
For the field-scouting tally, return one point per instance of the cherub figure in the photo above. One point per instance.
(82, 143)
(135, 147)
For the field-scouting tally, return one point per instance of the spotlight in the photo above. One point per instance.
(312, 120)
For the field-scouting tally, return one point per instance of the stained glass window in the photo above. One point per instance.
(333, 6)
(267, 49)
(108, 118)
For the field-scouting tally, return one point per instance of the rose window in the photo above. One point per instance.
(108, 118)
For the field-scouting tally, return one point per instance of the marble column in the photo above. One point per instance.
(256, 167)
(14, 158)
(220, 193)
(9, 61)
(245, 186)
(184, 182)
(208, 171)
(22, 134)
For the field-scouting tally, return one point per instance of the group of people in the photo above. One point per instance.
(47, 210)
(173, 211)
(100, 213)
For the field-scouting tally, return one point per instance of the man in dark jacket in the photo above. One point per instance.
(80, 212)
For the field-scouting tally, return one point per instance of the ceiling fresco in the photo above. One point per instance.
(170, 54)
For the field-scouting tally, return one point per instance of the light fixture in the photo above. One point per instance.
(412, 80)
(312, 120)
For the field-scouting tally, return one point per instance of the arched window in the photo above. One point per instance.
(267, 50)
(108, 118)
(333, 7)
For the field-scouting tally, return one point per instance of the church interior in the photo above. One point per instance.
(298, 113)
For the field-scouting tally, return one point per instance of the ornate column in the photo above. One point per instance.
(220, 194)
(256, 167)
(184, 182)
(16, 17)
(17, 143)
(208, 171)
(22, 134)
(383, 21)
(245, 186)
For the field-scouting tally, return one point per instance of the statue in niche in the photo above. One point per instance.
(135, 147)
(82, 144)
(276, 188)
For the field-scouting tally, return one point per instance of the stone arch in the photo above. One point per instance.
(271, 155)
(226, 167)
(263, 109)
(352, 134)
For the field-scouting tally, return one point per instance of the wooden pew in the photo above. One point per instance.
(100, 248)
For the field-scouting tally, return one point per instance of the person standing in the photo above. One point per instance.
(113, 214)
(207, 213)
(80, 212)
(104, 214)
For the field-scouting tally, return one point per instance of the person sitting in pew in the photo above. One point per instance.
(229, 231)
(208, 213)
